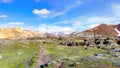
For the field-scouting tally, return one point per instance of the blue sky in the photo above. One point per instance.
(58, 15)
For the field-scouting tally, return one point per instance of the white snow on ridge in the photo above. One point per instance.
(117, 31)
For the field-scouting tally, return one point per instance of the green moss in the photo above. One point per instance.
(22, 65)
(70, 55)
(11, 58)
(75, 54)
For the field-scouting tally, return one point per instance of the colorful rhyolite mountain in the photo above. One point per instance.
(13, 33)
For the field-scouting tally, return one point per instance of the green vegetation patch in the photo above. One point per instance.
(77, 54)
(15, 54)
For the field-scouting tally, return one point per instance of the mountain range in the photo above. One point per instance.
(100, 30)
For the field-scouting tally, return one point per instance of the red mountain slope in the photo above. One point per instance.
(104, 30)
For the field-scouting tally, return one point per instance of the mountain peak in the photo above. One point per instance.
(105, 30)
(100, 30)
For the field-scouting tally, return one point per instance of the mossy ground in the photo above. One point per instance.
(70, 55)
(10, 56)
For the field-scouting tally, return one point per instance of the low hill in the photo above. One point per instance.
(9, 33)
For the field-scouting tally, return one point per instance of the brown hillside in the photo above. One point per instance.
(104, 30)
(16, 33)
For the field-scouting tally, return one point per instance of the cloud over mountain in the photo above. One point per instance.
(42, 12)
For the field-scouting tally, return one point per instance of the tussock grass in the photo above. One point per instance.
(11, 58)
(71, 55)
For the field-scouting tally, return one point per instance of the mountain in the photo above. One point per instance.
(100, 30)
(10, 33)
(104, 30)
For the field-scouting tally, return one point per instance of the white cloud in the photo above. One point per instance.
(98, 19)
(87, 22)
(12, 24)
(29, 27)
(6, 1)
(67, 26)
(67, 8)
(93, 25)
(76, 23)
(58, 13)
(65, 22)
(79, 23)
(43, 12)
(16, 23)
(54, 13)
(3, 16)
(55, 28)
(116, 9)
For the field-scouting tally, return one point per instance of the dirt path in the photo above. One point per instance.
(44, 57)
(27, 62)
(42, 60)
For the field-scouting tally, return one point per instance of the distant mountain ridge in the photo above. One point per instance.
(104, 30)
(9, 33)
(100, 30)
